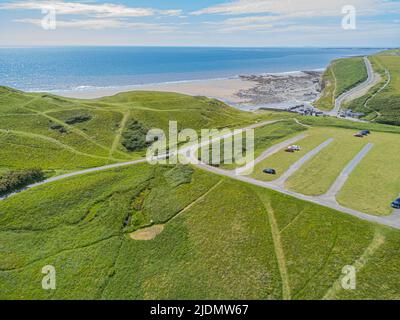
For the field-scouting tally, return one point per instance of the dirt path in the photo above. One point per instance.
(196, 201)
(375, 244)
(120, 131)
(52, 140)
(378, 92)
(149, 233)
(279, 252)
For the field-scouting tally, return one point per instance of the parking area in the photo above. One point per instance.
(371, 186)
(375, 183)
(282, 160)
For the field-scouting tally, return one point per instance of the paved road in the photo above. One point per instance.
(76, 173)
(390, 221)
(343, 177)
(348, 95)
(247, 169)
(296, 166)
(129, 163)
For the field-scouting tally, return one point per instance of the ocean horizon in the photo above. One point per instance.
(90, 68)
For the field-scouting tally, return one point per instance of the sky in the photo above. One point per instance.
(236, 23)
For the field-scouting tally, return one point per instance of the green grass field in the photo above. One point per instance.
(264, 137)
(376, 181)
(237, 242)
(35, 125)
(220, 238)
(341, 76)
(317, 175)
(381, 104)
(371, 187)
(281, 161)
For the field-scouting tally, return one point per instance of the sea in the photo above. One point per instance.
(87, 68)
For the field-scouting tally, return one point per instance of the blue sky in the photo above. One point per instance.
(201, 23)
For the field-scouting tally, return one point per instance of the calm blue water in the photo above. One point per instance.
(69, 68)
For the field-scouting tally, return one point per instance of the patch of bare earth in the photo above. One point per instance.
(147, 234)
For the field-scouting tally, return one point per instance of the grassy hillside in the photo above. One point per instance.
(382, 103)
(221, 239)
(340, 76)
(54, 133)
(176, 232)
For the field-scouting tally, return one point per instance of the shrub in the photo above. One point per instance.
(14, 180)
(78, 119)
(134, 137)
(59, 128)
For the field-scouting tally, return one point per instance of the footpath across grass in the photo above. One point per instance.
(237, 242)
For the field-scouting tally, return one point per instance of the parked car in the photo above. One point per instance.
(359, 135)
(293, 148)
(396, 204)
(269, 171)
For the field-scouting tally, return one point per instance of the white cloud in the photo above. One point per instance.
(316, 8)
(97, 24)
(90, 9)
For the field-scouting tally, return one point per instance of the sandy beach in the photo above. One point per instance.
(246, 92)
(223, 89)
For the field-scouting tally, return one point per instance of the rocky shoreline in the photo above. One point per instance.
(282, 89)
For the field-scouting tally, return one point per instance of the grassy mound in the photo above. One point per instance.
(87, 133)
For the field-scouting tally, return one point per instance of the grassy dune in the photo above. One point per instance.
(341, 76)
(75, 134)
(220, 239)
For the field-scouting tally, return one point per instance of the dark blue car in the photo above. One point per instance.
(269, 171)
(396, 204)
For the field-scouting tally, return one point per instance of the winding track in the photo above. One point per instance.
(348, 94)
(190, 151)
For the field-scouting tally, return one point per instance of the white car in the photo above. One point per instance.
(295, 148)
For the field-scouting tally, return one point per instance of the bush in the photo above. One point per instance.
(134, 137)
(14, 180)
(78, 119)
(59, 128)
